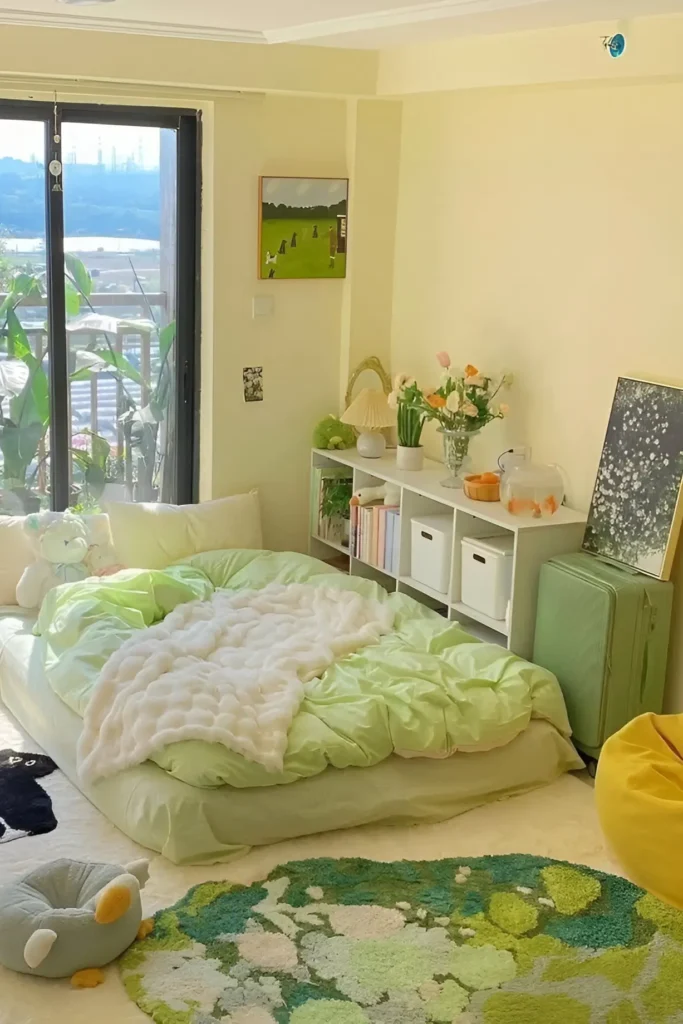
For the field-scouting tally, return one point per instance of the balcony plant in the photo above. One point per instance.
(25, 402)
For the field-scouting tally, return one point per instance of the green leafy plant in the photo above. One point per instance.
(407, 398)
(25, 402)
(336, 499)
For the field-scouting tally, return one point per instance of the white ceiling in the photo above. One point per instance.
(357, 23)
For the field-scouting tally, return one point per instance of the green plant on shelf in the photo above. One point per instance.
(336, 499)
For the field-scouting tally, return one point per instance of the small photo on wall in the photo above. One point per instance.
(303, 224)
(252, 382)
(635, 514)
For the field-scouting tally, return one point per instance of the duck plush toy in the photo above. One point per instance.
(70, 919)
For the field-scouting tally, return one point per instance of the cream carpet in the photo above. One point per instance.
(558, 821)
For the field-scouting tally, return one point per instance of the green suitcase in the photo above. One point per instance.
(604, 632)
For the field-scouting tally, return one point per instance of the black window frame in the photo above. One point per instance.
(187, 123)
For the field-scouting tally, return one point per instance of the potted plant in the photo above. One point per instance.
(463, 405)
(409, 401)
(335, 509)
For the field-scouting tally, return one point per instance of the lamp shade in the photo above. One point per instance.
(369, 411)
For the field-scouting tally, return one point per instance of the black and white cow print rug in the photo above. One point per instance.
(25, 807)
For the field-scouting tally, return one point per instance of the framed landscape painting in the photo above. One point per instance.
(303, 227)
(635, 515)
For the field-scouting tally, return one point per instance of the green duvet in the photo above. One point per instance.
(428, 686)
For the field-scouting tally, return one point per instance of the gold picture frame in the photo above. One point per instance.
(637, 506)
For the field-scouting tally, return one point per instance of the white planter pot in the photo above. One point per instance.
(409, 458)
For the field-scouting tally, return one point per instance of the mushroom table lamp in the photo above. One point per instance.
(370, 414)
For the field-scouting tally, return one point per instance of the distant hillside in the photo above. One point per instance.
(97, 201)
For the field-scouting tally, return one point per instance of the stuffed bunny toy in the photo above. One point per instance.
(60, 541)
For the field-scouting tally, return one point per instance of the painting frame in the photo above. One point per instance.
(328, 259)
(636, 510)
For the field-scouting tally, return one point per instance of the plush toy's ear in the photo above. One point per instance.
(38, 947)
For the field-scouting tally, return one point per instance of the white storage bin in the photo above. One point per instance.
(487, 574)
(431, 548)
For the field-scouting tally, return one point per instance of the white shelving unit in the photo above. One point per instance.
(535, 541)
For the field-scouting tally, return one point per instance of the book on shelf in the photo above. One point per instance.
(396, 543)
(381, 537)
(366, 528)
(388, 541)
(321, 526)
(353, 528)
(371, 538)
(374, 545)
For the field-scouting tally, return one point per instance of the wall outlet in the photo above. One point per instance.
(521, 451)
(263, 305)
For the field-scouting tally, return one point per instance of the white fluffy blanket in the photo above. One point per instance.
(229, 670)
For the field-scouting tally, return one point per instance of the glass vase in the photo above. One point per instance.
(456, 446)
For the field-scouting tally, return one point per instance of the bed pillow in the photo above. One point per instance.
(153, 536)
(16, 553)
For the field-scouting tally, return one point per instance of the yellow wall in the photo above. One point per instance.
(267, 444)
(374, 150)
(571, 54)
(184, 63)
(541, 230)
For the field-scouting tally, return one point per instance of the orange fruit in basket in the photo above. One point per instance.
(489, 478)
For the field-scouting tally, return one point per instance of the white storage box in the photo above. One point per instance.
(431, 549)
(487, 574)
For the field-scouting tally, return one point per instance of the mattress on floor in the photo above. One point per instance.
(189, 825)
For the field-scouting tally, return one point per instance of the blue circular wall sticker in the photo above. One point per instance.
(615, 44)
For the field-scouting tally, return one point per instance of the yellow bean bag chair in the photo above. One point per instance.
(639, 794)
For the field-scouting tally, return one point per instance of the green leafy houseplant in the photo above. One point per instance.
(25, 402)
(407, 398)
(336, 499)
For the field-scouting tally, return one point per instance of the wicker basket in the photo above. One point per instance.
(483, 487)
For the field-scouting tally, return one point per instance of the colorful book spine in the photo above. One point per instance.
(367, 534)
(396, 544)
(353, 529)
(381, 537)
(388, 541)
(374, 547)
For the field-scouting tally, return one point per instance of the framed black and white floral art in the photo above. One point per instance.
(636, 511)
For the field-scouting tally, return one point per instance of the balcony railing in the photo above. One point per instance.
(97, 402)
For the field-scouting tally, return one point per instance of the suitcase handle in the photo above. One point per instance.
(646, 652)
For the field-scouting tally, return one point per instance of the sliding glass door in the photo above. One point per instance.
(99, 271)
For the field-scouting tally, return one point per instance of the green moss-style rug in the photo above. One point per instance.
(495, 940)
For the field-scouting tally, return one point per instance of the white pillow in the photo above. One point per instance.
(16, 552)
(153, 536)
